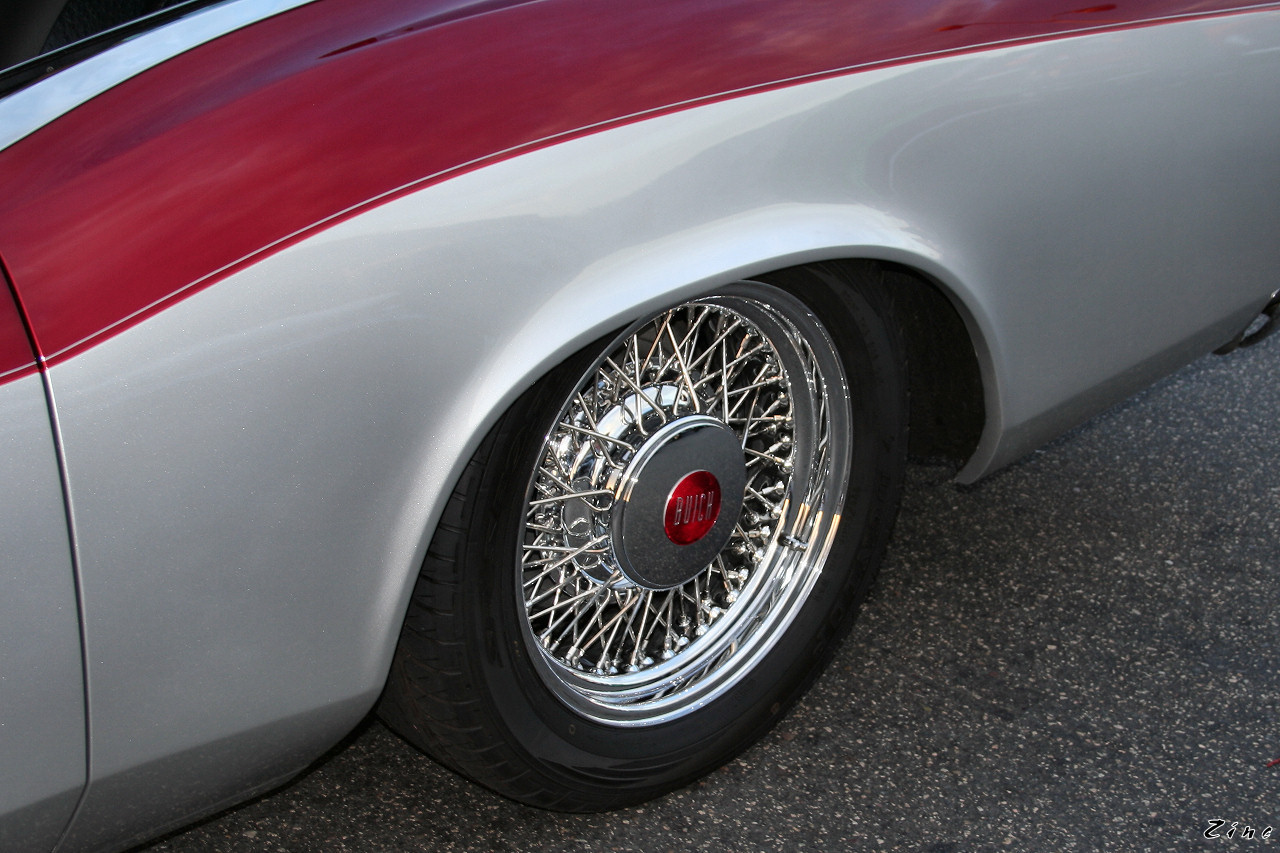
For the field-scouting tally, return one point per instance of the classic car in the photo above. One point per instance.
(543, 373)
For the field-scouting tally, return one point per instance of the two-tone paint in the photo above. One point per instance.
(281, 283)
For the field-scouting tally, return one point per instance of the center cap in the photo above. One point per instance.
(678, 502)
(692, 508)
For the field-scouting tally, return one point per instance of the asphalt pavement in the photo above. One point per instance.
(1080, 653)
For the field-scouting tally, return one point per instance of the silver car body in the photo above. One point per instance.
(253, 473)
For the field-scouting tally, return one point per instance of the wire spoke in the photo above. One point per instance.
(593, 624)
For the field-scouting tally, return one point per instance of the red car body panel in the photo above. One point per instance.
(240, 146)
(16, 357)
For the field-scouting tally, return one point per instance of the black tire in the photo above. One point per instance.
(475, 685)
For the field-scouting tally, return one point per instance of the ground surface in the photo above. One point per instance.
(1081, 653)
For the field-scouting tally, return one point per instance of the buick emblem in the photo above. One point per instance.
(692, 508)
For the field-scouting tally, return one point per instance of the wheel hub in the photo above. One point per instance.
(678, 502)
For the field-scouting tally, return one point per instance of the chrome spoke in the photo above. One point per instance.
(619, 649)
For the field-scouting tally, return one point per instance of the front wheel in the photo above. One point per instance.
(652, 553)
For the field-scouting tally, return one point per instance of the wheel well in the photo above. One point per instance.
(947, 408)
(947, 412)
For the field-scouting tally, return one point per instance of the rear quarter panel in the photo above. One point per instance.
(258, 450)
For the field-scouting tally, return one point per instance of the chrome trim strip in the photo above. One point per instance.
(29, 109)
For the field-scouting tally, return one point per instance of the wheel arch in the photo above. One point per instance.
(954, 393)
(550, 277)
(952, 374)
(503, 684)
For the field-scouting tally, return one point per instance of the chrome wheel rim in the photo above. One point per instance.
(728, 415)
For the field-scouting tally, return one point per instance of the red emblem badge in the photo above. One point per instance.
(692, 508)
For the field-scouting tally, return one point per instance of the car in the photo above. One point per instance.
(543, 374)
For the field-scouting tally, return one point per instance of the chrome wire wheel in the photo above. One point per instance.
(682, 505)
(655, 550)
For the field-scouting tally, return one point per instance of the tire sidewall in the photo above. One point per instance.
(636, 762)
